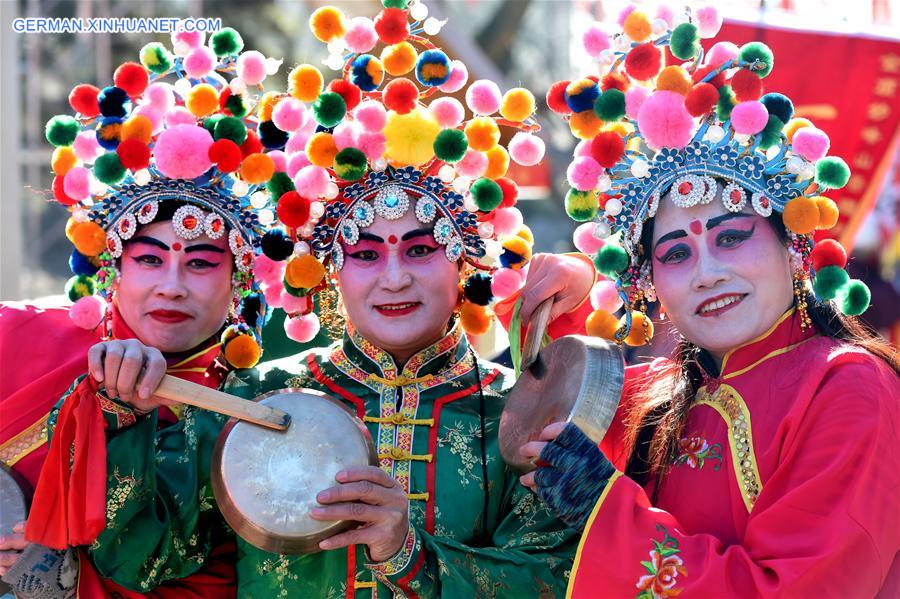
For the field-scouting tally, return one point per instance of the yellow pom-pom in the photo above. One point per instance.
(63, 160)
(518, 104)
(399, 59)
(795, 125)
(637, 26)
(321, 149)
(410, 137)
(619, 127)
(242, 351)
(305, 83)
(828, 212)
(71, 225)
(89, 238)
(202, 100)
(674, 79)
(602, 324)
(475, 319)
(137, 127)
(520, 247)
(304, 272)
(638, 336)
(801, 215)
(257, 168)
(525, 233)
(498, 162)
(266, 105)
(585, 125)
(482, 133)
(327, 23)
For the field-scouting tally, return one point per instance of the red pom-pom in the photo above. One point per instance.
(60, 194)
(701, 99)
(132, 77)
(293, 209)
(83, 99)
(226, 155)
(717, 81)
(134, 154)
(510, 191)
(643, 61)
(828, 252)
(392, 26)
(556, 98)
(607, 148)
(349, 92)
(251, 145)
(746, 85)
(400, 95)
(615, 81)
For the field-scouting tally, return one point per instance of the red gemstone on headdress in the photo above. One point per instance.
(247, 258)
(216, 225)
(685, 188)
(190, 222)
(764, 202)
(736, 196)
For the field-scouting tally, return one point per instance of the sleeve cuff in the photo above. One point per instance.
(116, 414)
(399, 564)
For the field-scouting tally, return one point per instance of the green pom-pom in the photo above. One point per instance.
(156, 58)
(685, 41)
(611, 260)
(829, 281)
(279, 185)
(210, 123)
(610, 105)
(401, 4)
(108, 169)
(854, 298)
(832, 172)
(62, 130)
(581, 206)
(80, 286)
(771, 134)
(486, 194)
(350, 164)
(232, 128)
(236, 104)
(727, 102)
(450, 145)
(226, 42)
(759, 56)
(329, 109)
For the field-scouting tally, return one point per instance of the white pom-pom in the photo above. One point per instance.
(259, 199)
(613, 206)
(658, 26)
(80, 215)
(316, 210)
(492, 249)
(418, 11)
(266, 217)
(433, 26)
(335, 62)
(182, 87)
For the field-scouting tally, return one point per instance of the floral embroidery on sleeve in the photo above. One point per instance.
(695, 451)
(662, 569)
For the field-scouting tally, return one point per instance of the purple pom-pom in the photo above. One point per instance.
(664, 122)
(809, 143)
(749, 118)
(182, 152)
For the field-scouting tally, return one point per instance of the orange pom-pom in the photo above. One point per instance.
(137, 127)
(795, 125)
(637, 26)
(266, 105)
(518, 104)
(525, 233)
(801, 215)
(89, 238)
(601, 324)
(475, 319)
(615, 80)
(637, 336)
(498, 162)
(257, 168)
(828, 212)
(305, 82)
(674, 79)
(399, 59)
(327, 23)
(242, 351)
(304, 272)
(585, 125)
(63, 160)
(202, 100)
(482, 133)
(321, 149)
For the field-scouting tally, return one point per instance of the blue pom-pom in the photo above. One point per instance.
(366, 72)
(109, 132)
(581, 95)
(276, 245)
(114, 101)
(81, 264)
(778, 105)
(433, 68)
(478, 289)
(270, 136)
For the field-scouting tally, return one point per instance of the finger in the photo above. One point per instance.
(9, 558)
(359, 512)
(532, 449)
(129, 371)
(152, 376)
(95, 361)
(535, 293)
(528, 480)
(370, 473)
(552, 431)
(363, 535)
(365, 491)
(15, 541)
(111, 363)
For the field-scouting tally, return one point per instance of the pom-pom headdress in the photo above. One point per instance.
(141, 143)
(650, 129)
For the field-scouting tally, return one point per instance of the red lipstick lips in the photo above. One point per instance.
(169, 316)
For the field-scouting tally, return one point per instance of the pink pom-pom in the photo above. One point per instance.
(191, 39)
(199, 62)
(346, 135)
(182, 152)
(721, 53)
(595, 40)
(293, 304)
(583, 149)
(584, 173)
(371, 115)
(273, 290)
(506, 281)
(604, 296)
(312, 182)
(448, 112)
(472, 165)
(623, 14)
(266, 270)
(302, 329)
(809, 143)
(708, 21)
(664, 122)
(295, 163)
(86, 147)
(88, 312)
(296, 143)
(372, 144)
(360, 35)
(634, 99)
(289, 114)
(280, 159)
(507, 222)
(526, 149)
(161, 96)
(483, 97)
(251, 67)
(77, 183)
(152, 113)
(179, 116)
(665, 13)
(459, 75)
(584, 239)
(749, 118)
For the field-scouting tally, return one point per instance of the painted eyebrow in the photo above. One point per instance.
(416, 233)
(203, 247)
(676, 234)
(150, 241)
(718, 220)
(370, 237)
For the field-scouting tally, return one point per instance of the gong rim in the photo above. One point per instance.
(247, 528)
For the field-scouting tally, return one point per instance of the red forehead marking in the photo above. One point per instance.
(696, 227)
(176, 246)
(392, 239)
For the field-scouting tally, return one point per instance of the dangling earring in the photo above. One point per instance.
(799, 251)
(329, 308)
